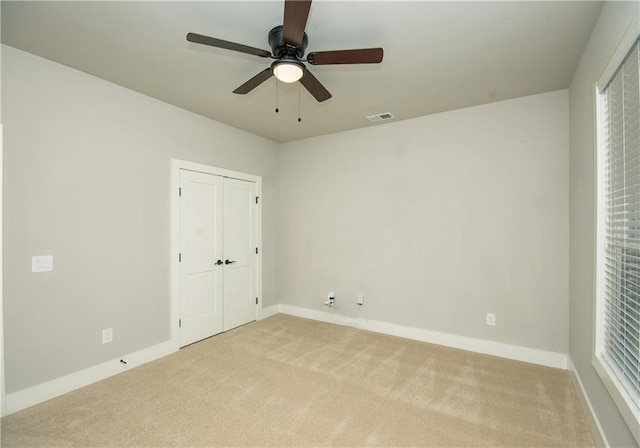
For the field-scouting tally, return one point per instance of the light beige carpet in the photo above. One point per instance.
(286, 381)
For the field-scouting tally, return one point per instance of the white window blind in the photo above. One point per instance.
(620, 189)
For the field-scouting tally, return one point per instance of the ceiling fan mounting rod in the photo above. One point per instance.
(279, 48)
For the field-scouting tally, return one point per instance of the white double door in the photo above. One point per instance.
(217, 254)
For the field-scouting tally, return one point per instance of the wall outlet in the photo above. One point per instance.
(491, 319)
(331, 298)
(360, 299)
(107, 335)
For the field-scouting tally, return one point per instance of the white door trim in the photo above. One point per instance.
(3, 408)
(176, 166)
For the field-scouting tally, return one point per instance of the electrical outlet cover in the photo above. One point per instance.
(107, 335)
(491, 319)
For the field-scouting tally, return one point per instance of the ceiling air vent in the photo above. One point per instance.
(381, 117)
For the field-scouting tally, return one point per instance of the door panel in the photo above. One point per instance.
(240, 249)
(201, 278)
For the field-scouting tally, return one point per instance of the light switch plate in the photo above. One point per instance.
(42, 263)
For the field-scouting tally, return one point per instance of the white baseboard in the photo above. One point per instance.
(592, 420)
(25, 398)
(268, 311)
(515, 352)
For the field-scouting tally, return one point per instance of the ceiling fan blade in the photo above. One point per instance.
(213, 42)
(362, 56)
(295, 20)
(254, 82)
(314, 87)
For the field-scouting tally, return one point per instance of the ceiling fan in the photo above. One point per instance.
(288, 43)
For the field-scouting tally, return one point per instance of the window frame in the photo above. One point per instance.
(621, 397)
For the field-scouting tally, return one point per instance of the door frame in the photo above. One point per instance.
(176, 166)
(3, 409)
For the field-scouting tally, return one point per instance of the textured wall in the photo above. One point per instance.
(437, 221)
(87, 180)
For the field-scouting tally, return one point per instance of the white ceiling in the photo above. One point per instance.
(438, 56)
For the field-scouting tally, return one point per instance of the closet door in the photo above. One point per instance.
(218, 228)
(239, 279)
(201, 274)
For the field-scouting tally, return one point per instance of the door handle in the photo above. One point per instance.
(219, 262)
(229, 262)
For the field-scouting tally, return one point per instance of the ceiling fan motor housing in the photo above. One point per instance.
(280, 49)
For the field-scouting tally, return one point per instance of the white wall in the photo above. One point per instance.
(437, 221)
(87, 180)
(609, 30)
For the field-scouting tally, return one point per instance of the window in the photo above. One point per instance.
(617, 356)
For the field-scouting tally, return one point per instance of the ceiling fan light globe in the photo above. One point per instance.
(288, 71)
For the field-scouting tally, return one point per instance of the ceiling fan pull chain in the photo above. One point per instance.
(299, 113)
(277, 110)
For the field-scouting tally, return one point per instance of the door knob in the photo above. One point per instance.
(229, 262)
(219, 262)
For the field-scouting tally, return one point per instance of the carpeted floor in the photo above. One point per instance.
(286, 381)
